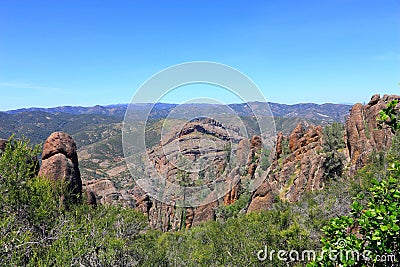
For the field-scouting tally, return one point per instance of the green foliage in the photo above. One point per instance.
(233, 210)
(285, 148)
(234, 242)
(389, 116)
(333, 165)
(333, 137)
(18, 163)
(372, 230)
(264, 160)
(332, 143)
(105, 236)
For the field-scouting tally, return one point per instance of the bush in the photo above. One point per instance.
(332, 143)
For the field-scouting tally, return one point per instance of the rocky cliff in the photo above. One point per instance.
(303, 166)
(363, 135)
(195, 156)
(301, 169)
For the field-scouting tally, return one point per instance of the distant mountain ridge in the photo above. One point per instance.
(324, 112)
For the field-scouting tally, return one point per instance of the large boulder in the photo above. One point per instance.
(60, 163)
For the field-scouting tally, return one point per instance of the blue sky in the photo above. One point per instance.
(99, 52)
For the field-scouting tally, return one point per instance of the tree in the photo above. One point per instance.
(332, 143)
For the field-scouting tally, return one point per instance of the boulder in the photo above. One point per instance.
(60, 163)
(60, 143)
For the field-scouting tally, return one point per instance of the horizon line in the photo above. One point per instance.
(168, 103)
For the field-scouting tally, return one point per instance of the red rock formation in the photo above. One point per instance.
(362, 131)
(295, 136)
(3, 144)
(278, 148)
(232, 196)
(256, 142)
(105, 192)
(262, 198)
(303, 170)
(201, 139)
(288, 178)
(60, 162)
(300, 171)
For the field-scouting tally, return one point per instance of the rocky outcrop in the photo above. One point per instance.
(279, 145)
(303, 169)
(90, 198)
(253, 157)
(295, 137)
(291, 175)
(200, 149)
(3, 144)
(200, 144)
(363, 135)
(103, 191)
(60, 163)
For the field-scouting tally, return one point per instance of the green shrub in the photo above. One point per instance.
(332, 143)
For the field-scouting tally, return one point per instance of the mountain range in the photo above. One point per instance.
(326, 112)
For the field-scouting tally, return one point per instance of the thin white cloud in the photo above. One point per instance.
(389, 56)
(17, 85)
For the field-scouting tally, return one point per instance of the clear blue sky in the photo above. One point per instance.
(99, 52)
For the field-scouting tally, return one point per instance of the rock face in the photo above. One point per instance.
(301, 170)
(60, 162)
(203, 144)
(362, 134)
(103, 191)
(186, 148)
